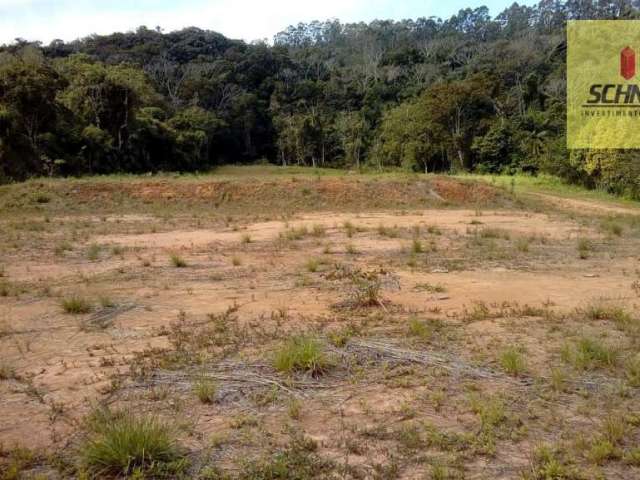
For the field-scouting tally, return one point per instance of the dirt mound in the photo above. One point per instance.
(293, 193)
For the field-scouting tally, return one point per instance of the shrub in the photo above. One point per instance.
(302, 354)
(121, 444)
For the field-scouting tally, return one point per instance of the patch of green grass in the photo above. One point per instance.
(297, 461)
(177, 261)
(318, 230)
(387, 231)
(63, 247)
(548, 463)
(340, 338)
(480, 311)
(205, 389)
(589, 354)
(601, 451)
(93, 253)
(416, 246)
(294, 233)
(349, 228)
(558, 380)
(512, 361)
(632, 371)
(301, 354)
(76, 305)
(123, 444)
(522, 244)
(602, 309)
(7, 372)
(585, 247)
(16, 463)
(107, 302)
(312, 265)
(611, 227)
(424, 329)
(496, 233)
(431, 287)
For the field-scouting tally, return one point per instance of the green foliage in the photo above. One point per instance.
(464, 93)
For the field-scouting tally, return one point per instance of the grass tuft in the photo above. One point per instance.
(76, 305)
(512, 361)
(589, 354)
(301, 354)
(121, 444)
(205, 389)
(177, 261)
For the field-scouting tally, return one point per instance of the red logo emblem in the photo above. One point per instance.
(627, 63)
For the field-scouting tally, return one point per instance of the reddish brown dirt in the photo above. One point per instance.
(63, 366)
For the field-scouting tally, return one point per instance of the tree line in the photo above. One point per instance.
(469, 93)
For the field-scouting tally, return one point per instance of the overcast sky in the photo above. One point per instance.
(46, 20)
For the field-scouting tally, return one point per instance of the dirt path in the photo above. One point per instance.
(586, 206)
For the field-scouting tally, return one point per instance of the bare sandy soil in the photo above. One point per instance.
(466, 358)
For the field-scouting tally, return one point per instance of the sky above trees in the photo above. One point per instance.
(249, 20)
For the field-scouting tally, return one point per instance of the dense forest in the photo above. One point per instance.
(473, 92)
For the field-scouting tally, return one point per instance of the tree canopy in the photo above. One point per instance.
(472, 92)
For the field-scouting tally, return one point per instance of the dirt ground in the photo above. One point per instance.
(470, 333)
